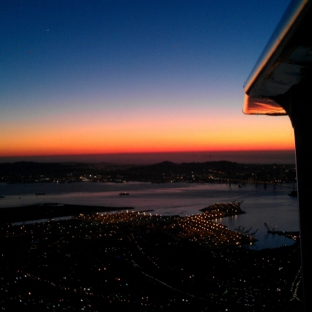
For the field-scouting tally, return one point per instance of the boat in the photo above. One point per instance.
(40, 193)
(124, 193)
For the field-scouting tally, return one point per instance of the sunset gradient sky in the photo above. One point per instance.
(106, 77)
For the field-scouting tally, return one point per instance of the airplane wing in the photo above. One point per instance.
(281, 84)
(285, 62)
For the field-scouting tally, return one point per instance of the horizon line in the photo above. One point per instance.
(245, 156)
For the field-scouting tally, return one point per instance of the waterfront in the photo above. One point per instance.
(270, 205)
(148, 258)
(142, 262)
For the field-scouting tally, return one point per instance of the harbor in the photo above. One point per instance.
(140, 258)
(260, 205)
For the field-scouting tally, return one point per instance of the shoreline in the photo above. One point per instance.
(50, 211)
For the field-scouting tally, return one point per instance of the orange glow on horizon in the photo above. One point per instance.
(68, 145)
(146, 134)
(62, 152)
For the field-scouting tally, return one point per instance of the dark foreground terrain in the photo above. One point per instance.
(133, 261)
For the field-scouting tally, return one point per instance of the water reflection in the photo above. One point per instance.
(270, 205)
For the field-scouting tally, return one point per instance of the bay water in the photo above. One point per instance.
(263, 204)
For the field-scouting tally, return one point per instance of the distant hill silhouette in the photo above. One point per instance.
(166, 171)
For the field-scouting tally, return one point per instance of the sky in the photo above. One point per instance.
(130, 77)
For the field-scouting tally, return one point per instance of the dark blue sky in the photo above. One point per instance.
(117, 70)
